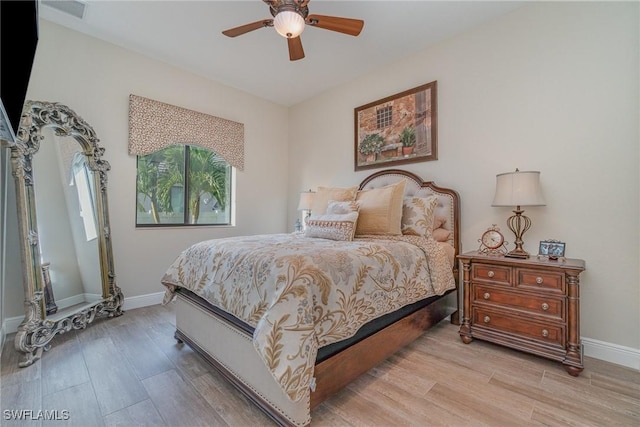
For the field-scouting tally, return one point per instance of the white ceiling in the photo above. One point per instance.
(188, 34)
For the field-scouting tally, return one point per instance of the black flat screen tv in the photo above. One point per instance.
(18, 42)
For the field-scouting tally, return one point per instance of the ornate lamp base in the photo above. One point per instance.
(517, 254)
(518, 224)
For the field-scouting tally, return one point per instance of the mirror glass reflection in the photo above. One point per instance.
(67, 225)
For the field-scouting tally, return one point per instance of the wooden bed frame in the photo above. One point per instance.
(231, 352)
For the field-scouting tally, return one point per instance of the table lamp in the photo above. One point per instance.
(518, 189)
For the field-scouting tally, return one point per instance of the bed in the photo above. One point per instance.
(290, 319)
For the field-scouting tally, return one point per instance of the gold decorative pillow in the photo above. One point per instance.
(326, 194)
(417, 215)
(333, 227)
(381, 210)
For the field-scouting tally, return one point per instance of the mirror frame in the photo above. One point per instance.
(36, 331)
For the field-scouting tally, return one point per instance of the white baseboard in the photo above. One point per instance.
(142, 301)
(614, 353)
(10, 324)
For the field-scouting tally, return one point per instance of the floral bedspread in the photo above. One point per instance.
(302, 293)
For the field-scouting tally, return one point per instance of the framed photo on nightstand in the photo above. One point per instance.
(553, 249)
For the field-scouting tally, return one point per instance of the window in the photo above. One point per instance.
(84, 187)
(183, 185)
(384, 117)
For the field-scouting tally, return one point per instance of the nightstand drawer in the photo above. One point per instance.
(551, 307)
(542, 280)
(496, 274)
(501, 322)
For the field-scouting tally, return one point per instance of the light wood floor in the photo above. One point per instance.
(129, 371)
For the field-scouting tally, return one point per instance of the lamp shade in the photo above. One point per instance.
(518, 189)
(289, 24)
(306, 200)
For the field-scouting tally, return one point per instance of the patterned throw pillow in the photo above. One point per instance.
(417, 215)
(332, 226)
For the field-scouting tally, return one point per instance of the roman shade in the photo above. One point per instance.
(154, 125)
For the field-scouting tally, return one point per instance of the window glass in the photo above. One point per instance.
(183, 185)
(82, 182)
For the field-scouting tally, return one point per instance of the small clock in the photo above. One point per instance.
(492, 242)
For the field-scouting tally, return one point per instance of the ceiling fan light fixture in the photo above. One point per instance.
(289, 24)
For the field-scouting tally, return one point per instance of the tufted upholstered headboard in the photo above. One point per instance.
(448, 199)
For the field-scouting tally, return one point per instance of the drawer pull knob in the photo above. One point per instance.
(486, 295)
(539, 280)
(545, 333)
(487, 319)
(491, 274)
(545, 306)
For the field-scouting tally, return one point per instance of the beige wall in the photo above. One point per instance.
(95, 79)
(551, 87)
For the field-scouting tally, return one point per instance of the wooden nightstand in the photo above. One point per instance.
(530, 305)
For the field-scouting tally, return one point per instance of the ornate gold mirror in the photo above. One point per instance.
(65, 240)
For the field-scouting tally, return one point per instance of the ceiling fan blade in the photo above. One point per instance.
(348, 26)
(295, 48)
(238, 31)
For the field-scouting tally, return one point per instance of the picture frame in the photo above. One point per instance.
(398, 129)
(552, 249)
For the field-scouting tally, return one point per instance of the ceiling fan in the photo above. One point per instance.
(289, 19)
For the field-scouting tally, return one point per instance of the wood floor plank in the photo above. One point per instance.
(10, 372)
(81, 404)
(628, 388)
(179, 403)
(389, 371)
(159, 313)
(483, 357)
(18, 397)
(553, 417)
(325, 417)
(435, 381)
(550, 401)
(393, 397)
(229, 403)
(617, 407)
(360, 410)
(142, 414)
(115, 383)
(189, 364)
(611, 370)
(477, 408)
(142, 353)
(65, 366)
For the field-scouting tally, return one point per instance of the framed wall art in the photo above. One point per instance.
(398, 129)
